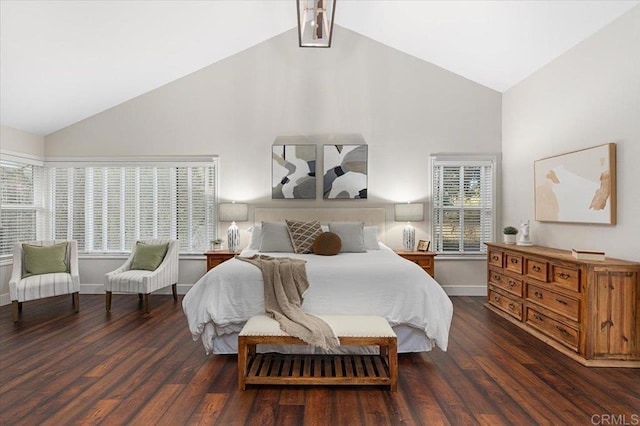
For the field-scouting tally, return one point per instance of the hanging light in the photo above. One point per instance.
(315, 22)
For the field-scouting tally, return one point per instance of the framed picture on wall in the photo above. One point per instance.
(293, 172)
(344, 171)
(577, 187)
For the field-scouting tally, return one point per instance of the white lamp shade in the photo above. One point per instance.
(409, 212)
(233, 212)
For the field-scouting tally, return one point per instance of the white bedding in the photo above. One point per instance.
(378, 282)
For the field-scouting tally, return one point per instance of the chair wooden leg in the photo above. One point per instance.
(108, 302)
(19, 306)
(76, 301)
(140, 296)
(174, 290)
(146, 303)
(15, 310)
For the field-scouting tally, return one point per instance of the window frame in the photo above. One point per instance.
(466, 159)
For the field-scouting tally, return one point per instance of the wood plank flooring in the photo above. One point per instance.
(58, 367)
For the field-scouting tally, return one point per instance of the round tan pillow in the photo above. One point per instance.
(327, 244)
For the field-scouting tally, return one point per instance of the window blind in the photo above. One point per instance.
(20, 203)
(463, 215)
(108, 207)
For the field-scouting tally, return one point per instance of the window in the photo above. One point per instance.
(107, 206)
(20, 201)
(463, 200)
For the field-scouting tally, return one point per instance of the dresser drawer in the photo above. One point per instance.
(506, 283)
(506, 304)
(552, 328)
(567, 306)
(494, 258)
(565, 277)
(536, 269)
(513, 263)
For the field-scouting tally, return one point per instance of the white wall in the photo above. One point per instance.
(19, 142)
(403, 107)
(588, 96)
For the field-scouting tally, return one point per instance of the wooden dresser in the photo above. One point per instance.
(423, 258)
(216, 257)
(589, 310)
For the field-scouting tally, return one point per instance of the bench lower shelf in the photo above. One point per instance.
(280, 369)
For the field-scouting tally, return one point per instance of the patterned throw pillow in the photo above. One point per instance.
(303, 234)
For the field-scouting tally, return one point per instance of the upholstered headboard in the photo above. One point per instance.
(370, 216)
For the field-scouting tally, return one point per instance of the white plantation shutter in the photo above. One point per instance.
(463, 193)
(20, 202)
(108, 207)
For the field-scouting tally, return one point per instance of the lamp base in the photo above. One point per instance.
(409, 238)
(233, 237)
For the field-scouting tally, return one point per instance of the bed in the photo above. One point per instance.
(374, 282)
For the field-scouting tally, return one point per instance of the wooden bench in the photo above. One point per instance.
(297, 369)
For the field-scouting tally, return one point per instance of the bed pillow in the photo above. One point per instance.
(371, 238)
(351, 235)
(44, 259)
(256, 237)
(303, 234)
(148, 256)
(327, 244)
(275, 238)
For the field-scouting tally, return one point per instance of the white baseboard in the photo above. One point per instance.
(451, 290)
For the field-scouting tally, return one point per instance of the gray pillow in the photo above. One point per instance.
(351, 234)
(275, 238)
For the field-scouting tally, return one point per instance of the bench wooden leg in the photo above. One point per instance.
(393, 364)
(242, 362)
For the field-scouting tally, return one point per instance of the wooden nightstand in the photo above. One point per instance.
(214, 258)
(423, 258)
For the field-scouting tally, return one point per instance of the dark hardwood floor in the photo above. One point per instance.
(58, 367)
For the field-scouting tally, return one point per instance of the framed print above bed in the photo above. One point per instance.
(293, 172)
(577, 187)
(345, 171)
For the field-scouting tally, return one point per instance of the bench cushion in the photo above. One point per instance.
(342, 325)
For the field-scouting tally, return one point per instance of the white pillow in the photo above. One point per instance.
(351, 234)
(256, 237)
(275, 238)
(371, 238)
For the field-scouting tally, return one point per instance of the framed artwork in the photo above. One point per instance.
(423, 245)
(293, 172)
(577, 187)
(345, 172)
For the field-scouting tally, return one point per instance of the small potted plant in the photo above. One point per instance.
(510, 233)
(216, 244)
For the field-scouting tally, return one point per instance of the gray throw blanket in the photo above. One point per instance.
(285, 281)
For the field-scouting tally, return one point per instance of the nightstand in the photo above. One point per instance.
(423, 258)
(214, 258)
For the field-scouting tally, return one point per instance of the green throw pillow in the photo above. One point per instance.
(44, 259)
(149, 256)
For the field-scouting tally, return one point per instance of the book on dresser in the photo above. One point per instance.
(587, 254)
(587, 309)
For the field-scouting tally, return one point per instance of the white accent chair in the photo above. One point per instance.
(127, 280)
(33, 287)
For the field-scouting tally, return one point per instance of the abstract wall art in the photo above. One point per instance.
(345, 172)
(578, 187)
(293, 172)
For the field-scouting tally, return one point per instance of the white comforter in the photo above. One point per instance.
(378, 282)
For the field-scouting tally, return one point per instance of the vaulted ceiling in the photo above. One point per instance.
(64, 61)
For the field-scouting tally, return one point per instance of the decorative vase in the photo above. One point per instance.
(509, 238)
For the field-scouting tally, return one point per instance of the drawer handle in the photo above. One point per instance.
(496, 277)
(512, 306)
(536, 269)
(512, 283)
(562, 330)
(563, 276)
(497, 298)
(495, 258)
(514, 260)
(538, 317)
(538, 294)
(606, 323)
(562, 302)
